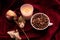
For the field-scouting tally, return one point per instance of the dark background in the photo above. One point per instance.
(49, 7)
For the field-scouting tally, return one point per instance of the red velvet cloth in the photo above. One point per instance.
(49, 7)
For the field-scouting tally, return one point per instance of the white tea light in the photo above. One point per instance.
(26, 10)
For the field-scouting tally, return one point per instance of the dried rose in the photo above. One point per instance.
(11, 14)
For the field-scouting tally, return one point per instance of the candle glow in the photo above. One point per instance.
(27, 10)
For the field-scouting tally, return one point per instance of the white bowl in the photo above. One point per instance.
(49, 24)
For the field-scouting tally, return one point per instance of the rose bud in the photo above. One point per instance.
(14, 34)
(11, 15)
(21, 25)
(21, 22)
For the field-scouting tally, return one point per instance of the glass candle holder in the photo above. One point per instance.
(27, 10)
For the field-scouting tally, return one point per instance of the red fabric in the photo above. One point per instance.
(49, 7)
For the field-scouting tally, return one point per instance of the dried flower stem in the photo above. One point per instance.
(17, 39)
(22, 30)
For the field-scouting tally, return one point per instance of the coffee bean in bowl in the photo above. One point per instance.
(40, 21)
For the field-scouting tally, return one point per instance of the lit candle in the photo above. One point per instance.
(26, 10)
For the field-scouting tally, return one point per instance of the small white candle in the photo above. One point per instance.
(26, 10)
